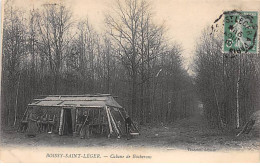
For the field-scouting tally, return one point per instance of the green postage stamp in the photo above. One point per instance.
(240, 32)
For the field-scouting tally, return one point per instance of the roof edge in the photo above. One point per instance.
(85, 95)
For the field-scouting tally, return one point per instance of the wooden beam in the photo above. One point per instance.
(69, 100)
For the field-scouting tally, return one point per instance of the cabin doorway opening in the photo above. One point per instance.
(67, 122)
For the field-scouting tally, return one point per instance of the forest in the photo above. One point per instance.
(228, 84)
(47, 50)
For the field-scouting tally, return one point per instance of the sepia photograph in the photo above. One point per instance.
(130, 81)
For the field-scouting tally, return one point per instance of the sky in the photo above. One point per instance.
(184, 20)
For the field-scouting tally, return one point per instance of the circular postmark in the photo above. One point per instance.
(240, 31)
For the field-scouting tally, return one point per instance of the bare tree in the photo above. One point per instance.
(218, 78)
(54, 27)
(13, 53)
(46, 54)
(130, 26)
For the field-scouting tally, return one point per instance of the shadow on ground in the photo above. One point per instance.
(187, 134)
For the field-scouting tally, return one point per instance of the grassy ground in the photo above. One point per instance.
(187, 134)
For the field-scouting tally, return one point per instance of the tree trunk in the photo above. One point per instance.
(134, 93)
(16, 100)
(237, 94)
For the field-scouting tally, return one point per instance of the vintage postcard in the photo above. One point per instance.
(130, 81)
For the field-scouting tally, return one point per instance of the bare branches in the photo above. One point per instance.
(56, 54)
(217, 79)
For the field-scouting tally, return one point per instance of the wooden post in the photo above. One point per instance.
(109, 122)
(61, 122)
(113, 122)
(99, 120)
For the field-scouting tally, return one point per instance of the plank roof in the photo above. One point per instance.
(89, 100)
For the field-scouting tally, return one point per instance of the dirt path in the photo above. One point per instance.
(188, 134)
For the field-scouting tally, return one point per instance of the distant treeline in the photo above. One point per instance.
(228, 84)
(47, 51)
